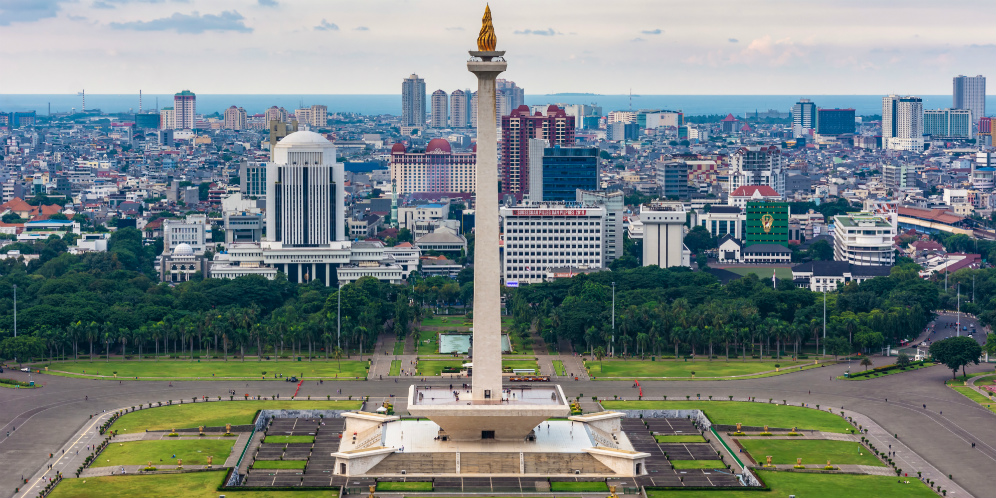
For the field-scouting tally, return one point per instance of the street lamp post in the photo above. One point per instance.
(612, 348)
(338, 319)
(824, 322)
(15, 310)
(958, 323)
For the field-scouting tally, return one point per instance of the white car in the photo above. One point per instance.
(25, 369)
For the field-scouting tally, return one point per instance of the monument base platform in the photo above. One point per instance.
(512, 416)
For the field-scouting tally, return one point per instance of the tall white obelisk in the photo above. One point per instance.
(487, 64)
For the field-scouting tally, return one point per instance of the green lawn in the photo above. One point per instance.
(578, 487)
(428, 342)
(395, 368)
(192, 485)
(679, 439)
(698, 464)
(750, 414)
(288, 439)
(280, 464)
(206, 370)
(972, 394)
(558, 366)
(435, 367)
(811, 451)
(763, 272)
(802, 485)
(404, 486)
(160, 453)
(447, 321)
(214, 414)
(399, 348)
(876, 375)
(670, 368)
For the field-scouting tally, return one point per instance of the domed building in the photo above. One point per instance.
(435, 169)
(181, 264)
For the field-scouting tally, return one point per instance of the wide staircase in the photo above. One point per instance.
(416, 463)
(563, 463)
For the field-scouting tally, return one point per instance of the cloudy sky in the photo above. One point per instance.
(369, 46)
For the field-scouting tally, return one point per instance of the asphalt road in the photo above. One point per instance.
(942, 433)
(944, 327)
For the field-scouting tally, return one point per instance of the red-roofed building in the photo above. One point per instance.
(743, 194)
(729, 124)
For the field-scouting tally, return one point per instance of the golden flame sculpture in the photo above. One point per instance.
(487, 41)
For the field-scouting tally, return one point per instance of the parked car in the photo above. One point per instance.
(291, 379)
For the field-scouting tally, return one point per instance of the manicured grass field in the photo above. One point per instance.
(579, 487)
(558, 366)
(214, 414)
(435, 367)
(288, 439)
(447, 321)
(750, 414)
(192, 485)
(671, 368)
(968, 392)
(698, 464)
(160, 453)
(762, 272)
(399, 348)
(404, 486)
(783, 484)
(876, 375)
(395, 368)
(280, 464)
(811, 451)
(207, 370)
(679, 439)
(427, 343)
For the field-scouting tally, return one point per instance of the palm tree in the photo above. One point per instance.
(108, 338)
(337, 354)
(123, 336)
(599, 354)
(92, 334)
(677, 333)
(866, 362)
(155, 333)
(642, 339)
(139, 336)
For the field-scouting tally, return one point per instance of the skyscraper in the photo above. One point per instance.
(185, 109)
(970, 93)
(167, 118)
(440, 111)
(305, 193)
(472, 114)
(458, 109)
(757, 165)
(556, 127)
(235, 118)
(413, 101)
(902, 123)
(803, 117)
(948, 123)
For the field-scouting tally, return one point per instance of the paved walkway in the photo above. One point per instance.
(853, 469)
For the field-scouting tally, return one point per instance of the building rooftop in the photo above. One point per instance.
(861, 220)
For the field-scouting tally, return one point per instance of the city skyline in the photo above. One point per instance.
(847, 48)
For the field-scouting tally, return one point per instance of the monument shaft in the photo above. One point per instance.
(487, 281)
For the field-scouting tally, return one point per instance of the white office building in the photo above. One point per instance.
(757, 165)
(193, 231)
(541, 237)
(863, 239)
(664, 234)
(902, 123)
(803, 118)
(615, 207)
(948, 123)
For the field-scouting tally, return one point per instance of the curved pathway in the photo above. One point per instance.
(941, 433)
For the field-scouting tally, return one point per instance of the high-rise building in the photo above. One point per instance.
(167, 118)
(985, 136)
(413, 101)
(435, 169)
(614, 203)
(663, 234)
(252, 180)
(316, 116)
(557, 173)
(185, 107)
(235, 118)
(620, 130)
(305, 193)
(672, 179)
(472, 114)
(278, 114)
(863, 239)
(440, 112)
(970, 93)
(902, 123)
(458, 109)
(556, 127)
(757, 165)
(803, 117)
(510, 96)
(833, 122)
(948, 123)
